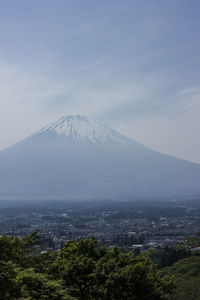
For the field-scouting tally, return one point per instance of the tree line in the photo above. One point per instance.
(83, 270)
(79, 270)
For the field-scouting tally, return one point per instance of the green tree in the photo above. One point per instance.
(92, 272)
(9, 288)
(18, 250)
(38, 286)
(80, 270)
(192, 241)
(76, 263)
(187, 272)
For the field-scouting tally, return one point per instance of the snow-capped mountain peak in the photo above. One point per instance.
(76, 158)
(81, 128)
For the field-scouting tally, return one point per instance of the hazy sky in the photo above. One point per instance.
(131, 64)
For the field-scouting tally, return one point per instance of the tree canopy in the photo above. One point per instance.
(80, 270)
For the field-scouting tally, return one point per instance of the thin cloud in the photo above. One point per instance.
(190, 98)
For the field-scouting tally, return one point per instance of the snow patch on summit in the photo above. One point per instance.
(80, 128)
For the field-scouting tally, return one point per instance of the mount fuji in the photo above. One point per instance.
(77, 158)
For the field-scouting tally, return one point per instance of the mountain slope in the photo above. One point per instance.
(82, 129)
(78, 158)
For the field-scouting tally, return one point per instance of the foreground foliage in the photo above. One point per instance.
(187, 272)
(80, 270)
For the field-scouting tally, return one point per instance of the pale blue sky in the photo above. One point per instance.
(132, 64)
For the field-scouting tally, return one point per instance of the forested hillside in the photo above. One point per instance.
(83, 270)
